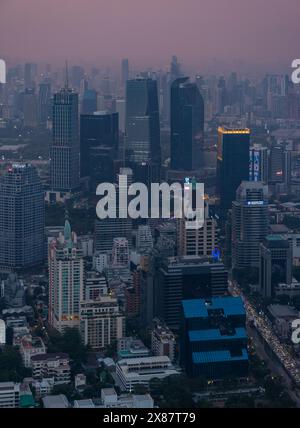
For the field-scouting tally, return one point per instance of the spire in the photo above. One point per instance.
(67, 228)
(67, 76)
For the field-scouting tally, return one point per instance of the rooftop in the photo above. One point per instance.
(215, 334)
(199, 308)
(218, 357)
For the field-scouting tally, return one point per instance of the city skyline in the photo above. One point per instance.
(249, 37)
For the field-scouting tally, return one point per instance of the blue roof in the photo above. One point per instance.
(198, 308)
(217, 357)
(215, 334)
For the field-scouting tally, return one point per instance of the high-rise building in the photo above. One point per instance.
(44, 102)
(66, 280)
(142, 122)
(197, 241)
(232, 163)
(186, 278)
(22, 218)
(125, 71)
(89, 101)
(101, 322)
(30, 72)
(64, 151)
(99, 139)
(121, 110)
(144, 241)
(30, 108)
(249, 223)
(275, 264)
(120, 253)
(187, 125)
(259, 164)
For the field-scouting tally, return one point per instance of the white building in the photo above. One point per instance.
(43, 387)
(54, 365)
(101, 322)
(29, 347)
(9, 394)
(95, 285)
(110, 399)
(66, 278)
(139, 371)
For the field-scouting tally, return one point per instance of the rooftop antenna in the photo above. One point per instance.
(67, 76)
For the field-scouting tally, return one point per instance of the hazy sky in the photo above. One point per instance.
(204, 34)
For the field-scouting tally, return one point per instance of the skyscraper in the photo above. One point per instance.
(275, 264)
(64, 151)
(30, 109)
(249, 223)
(99, 139)
(89, 101)
(142, 122)
(125, 71)
(22, 218)
(187, 125)
(44, 101)
(66, 279)
(258, 163)
(232, 163)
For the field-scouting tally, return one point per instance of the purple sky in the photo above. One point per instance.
(204, 34)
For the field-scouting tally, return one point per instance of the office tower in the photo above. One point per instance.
(187, 125)
(144, 241)
(279, 165)
(44, 102)
(142, 123)
(22, 218)
(276, 164)
(175, 71)
(275, 264)
(121, 110)
(249, 223)
(213, 339)
(64, 151)
(77, 74)
(109, 228)
(30, 109)
(125, 71)
(66, 280)
(186, 278)
(30, 72)
(120, 253)
(101, 322)
(197, 241)
(89, 101)
(232, 163)
(259, 164)
(99, 139)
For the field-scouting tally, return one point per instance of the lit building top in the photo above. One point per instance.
(227, 130)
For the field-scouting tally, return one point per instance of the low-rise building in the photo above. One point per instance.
(56, 402)
(31, 346)
(139, 371)
(55, 365)
(131, 347)
(9, 394)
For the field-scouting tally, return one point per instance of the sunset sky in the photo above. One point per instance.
(204, 34)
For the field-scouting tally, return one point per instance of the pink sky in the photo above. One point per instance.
(202, 33)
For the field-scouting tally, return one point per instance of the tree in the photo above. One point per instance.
(11, 365)
(69, 342)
